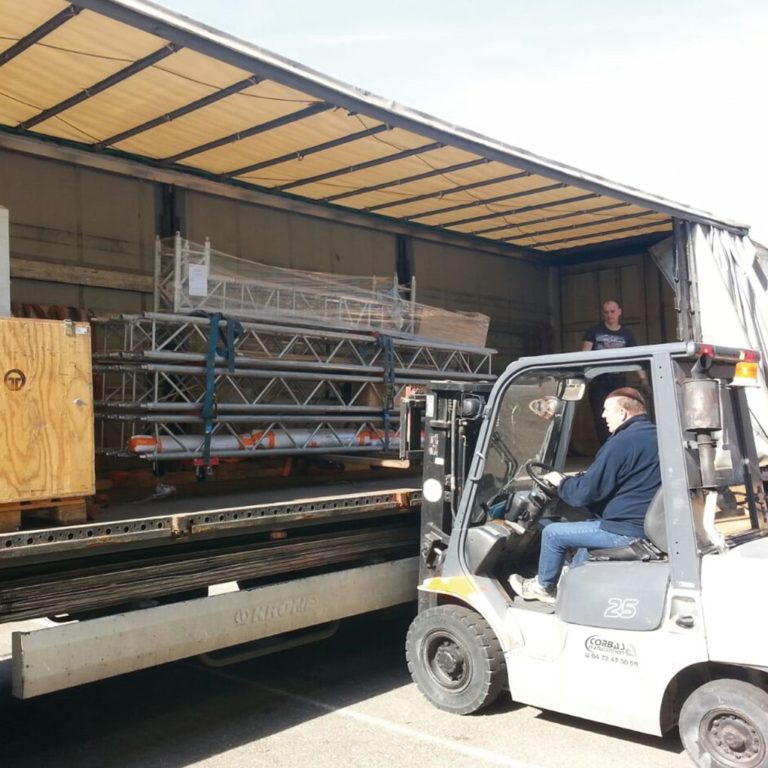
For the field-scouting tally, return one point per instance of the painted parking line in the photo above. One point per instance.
(484, 755)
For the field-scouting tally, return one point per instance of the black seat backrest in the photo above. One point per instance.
(655, 525)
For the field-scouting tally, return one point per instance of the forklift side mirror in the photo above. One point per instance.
(573, 390)
(471, 407)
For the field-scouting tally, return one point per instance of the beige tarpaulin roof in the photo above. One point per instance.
(133, 79)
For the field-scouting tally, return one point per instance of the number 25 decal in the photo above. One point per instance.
(621, 608)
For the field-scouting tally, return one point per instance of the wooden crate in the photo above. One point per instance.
(46, 402)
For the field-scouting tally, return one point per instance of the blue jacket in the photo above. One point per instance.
(622, 480)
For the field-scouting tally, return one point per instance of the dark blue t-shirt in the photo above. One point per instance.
(622, 480)
(604, 338)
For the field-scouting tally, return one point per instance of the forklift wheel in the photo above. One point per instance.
(455, 658)
(724, 723)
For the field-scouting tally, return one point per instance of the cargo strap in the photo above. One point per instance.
(229, 335)
(385, 342)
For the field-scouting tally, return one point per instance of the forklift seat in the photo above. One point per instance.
(652, 547)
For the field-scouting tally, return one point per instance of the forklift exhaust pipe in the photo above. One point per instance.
(701, 401)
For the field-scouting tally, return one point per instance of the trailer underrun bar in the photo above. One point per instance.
(60, 657)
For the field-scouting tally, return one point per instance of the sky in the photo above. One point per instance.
(668, 96)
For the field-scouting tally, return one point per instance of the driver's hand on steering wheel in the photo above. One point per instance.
(555, 478)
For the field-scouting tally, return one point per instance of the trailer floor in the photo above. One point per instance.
(199, 514)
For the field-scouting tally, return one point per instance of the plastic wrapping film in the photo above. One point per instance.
(193, 277)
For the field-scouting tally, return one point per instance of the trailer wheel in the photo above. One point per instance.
(724, 724)
(455, 658)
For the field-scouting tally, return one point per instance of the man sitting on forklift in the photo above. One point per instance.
(618, 488)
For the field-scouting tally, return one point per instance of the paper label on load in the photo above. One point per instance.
(198, 280)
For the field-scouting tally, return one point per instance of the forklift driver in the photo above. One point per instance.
(617, 488)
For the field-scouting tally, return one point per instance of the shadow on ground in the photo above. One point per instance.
(181, 713)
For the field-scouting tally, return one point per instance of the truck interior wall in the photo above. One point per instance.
(287, 239)
(92, 300)
(67, 215)
(512, 292)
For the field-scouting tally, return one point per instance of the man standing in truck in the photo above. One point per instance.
(608, 334)
(617, 488)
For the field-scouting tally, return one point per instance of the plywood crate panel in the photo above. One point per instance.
(46, 410)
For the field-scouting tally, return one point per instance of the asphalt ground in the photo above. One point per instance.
(345, 701)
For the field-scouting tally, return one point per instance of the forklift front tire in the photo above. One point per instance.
(725, 723)
(455, 659)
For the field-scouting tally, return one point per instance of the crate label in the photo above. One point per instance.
(14, 379)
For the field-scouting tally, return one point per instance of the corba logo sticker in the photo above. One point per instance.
(14, 379)
(601, 645)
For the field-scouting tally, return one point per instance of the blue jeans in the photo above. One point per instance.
(557, 539)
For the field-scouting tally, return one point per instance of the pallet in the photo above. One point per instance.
(733, 524)
(53, 511)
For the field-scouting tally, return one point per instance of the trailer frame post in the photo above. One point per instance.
(688, 325)
(5, 263)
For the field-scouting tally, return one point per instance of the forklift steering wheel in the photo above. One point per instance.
(536, 471)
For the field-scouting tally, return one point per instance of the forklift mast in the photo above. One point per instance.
(451, 413)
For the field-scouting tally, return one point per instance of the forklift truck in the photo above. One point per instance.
(668, 631)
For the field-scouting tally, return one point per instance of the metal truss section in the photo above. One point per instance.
(172, 386)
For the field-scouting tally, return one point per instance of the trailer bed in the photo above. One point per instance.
(188, 518)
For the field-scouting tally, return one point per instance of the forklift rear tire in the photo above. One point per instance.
(455, 659)
(724, 723)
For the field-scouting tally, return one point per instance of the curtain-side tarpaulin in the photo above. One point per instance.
(732, 292)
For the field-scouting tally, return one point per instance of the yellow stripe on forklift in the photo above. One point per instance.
(461, 586)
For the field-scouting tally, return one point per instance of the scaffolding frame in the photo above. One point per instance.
(245, 288)
(192, 277)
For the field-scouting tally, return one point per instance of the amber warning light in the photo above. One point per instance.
(745, 375)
